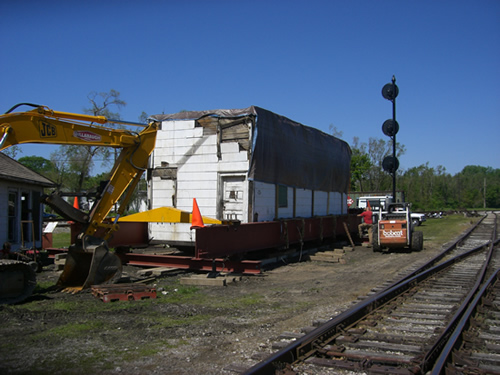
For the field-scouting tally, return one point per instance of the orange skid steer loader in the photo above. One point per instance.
(394, 229)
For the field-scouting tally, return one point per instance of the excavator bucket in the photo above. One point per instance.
(90, 263)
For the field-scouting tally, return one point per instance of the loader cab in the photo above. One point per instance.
(378, 204)
(398, 211)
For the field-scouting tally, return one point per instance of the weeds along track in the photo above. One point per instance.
(412, 326)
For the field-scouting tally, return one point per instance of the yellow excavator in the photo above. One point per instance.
(89, 261)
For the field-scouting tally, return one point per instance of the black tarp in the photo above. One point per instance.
(286, 152)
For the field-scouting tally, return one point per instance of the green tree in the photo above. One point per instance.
(360, 165)
(425, 187)
(492, 187)
(366, 164)
(478, 187)
(38, 164)
(12, 151)
(143, 118)
(80, 160)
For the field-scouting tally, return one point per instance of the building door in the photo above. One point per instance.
(233, 198)
(26, 223)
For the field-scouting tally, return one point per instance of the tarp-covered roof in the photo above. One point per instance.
(286, 152)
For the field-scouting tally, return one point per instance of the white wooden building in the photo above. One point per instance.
(245, 164)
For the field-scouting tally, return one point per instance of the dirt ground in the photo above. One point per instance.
(187, 330)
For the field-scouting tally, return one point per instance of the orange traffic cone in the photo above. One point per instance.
(75, 203)
(196, 220)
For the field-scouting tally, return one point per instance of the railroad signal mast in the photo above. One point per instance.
(390, 128)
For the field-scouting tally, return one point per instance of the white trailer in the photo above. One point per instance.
(244, 164)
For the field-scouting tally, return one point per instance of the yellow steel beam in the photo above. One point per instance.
(166, 215)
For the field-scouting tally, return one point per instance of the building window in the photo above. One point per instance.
(282, 196)
(12, 217)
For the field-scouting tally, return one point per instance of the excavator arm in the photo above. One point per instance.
(89, 258)
(46, 126)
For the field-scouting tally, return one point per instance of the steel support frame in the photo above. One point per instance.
(216, 244)
(230, 240)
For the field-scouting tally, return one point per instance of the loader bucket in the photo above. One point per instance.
(90, 263)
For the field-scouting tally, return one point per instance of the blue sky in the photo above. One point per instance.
(321, 63)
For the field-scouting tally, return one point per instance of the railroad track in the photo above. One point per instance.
(415, 325)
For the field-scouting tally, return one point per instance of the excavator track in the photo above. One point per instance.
(17, 281)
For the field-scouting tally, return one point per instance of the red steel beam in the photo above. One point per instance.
(182, 262)
(226, 240)
(194, 264)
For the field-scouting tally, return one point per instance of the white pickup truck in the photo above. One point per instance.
(417, 218)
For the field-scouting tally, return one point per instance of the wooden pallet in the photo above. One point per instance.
(123, 292)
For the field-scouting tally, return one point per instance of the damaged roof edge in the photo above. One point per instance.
(195, 115)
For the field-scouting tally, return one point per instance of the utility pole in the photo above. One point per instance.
(484, 194)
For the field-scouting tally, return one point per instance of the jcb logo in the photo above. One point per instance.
(47, 130)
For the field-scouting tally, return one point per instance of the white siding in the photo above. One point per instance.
(162, 193)
(324, 203)
(264, 200)
(183, 146)
(320, 203)
(4, 205)
(287, 212)
(303, 203)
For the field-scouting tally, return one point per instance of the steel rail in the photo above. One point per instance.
(454, 340)
(460, 240)
(451, 333)
(305, 346)
(451, 343)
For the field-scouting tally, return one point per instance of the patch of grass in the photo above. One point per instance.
(71, 330)
(96, 360)
(61, 240)
(56, 305)
(78, 362)
(151, 348)
(43, 285)
(440, 231)
(193, 295)
(178, 293)
(83, 305)
(248, 300)
(166, 321)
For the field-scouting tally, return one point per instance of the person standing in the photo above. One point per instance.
(367, 216)
(5, 254)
